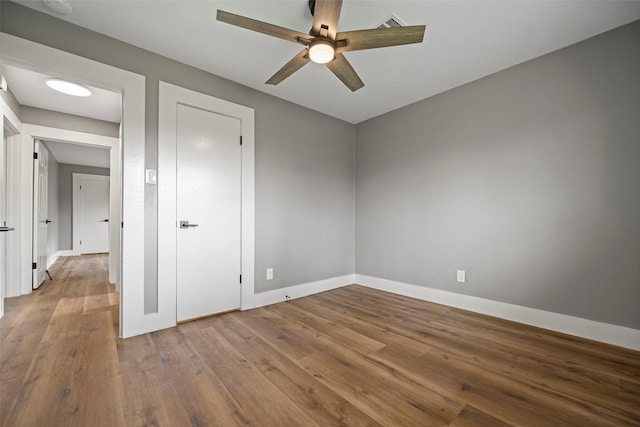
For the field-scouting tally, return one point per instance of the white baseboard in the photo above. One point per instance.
(53, 258)
(603, 332)
(69, 252)
(297, 291)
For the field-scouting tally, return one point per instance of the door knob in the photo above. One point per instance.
(185, 224)
(4, 228)
(103, 220)
(47, 221)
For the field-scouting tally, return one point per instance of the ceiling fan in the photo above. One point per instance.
(324, 44)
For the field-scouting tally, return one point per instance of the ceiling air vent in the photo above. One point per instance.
(392, 22)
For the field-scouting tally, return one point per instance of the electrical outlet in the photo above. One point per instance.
(461, 276)
(269, 273)
(287, 297)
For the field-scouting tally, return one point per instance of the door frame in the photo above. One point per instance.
(77, 212)
(169, 97)
(34, 56)
(115, 194)
(13, 125)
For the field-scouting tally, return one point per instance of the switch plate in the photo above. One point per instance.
(461, 276)
(151, 176)
(269, 273)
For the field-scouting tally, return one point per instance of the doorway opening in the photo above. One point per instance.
(130, 154)
(65, 135)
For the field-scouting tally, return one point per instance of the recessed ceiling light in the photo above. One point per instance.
(68, 87)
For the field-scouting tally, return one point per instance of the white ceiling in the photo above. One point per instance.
(30, 90)
(464, 41)
(79, 154)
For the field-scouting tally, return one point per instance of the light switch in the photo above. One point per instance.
(461, 276)
(269, 273)
(151, 176)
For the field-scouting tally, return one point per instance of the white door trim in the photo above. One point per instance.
(77, 213)
(115, 193)
(27, 54)
(169, 97)
(11, 122)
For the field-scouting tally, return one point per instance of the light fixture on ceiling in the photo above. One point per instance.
(3, 84)
(321, 51)
(68, 88)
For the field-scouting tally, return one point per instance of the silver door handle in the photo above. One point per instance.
(6, 229)
(185, 224)
(47, 221)
(103, 220)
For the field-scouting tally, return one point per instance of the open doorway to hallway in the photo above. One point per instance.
(72, 218)
(67, 135)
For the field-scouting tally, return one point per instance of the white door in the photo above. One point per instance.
(208, 184)
(40, 210)
(94, 215)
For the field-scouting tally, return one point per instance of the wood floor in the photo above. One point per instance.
(352, 356)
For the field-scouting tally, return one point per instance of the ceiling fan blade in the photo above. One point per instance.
(326, 12)
(263, 27)
(290, 67)
(379, 37)
(345, 72)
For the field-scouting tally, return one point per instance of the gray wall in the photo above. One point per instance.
(304, 160)
(38, 116)
(527, 179)
(53, 234)
(65, 200)
(304, 198)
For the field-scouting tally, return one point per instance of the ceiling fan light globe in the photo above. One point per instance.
(321, 52)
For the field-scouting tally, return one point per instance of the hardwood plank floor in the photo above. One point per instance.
(348, 357)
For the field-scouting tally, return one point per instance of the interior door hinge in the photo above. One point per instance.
(240, 139)
(241, 279)
(34, 265)
(35, 156)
